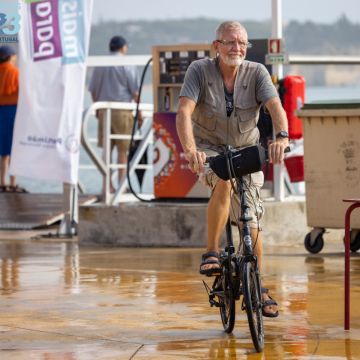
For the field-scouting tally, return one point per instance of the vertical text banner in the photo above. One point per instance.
(53, 44)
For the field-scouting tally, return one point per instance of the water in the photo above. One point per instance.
(91, 179)
(321, 93)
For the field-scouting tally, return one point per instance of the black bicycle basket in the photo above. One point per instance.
(241, 162)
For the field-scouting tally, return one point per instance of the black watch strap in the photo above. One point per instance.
(282, 134)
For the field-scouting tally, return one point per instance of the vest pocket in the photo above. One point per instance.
(206, 119)
(246, 119)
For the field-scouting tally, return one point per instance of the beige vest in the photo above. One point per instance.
(210, 123)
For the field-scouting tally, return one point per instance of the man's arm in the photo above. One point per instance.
(94, 84)
(195, 158)
(280, 122)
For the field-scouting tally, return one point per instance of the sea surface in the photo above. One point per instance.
(91, 179)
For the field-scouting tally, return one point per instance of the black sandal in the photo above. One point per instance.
(17, 189)
(205, 261)
(5, 189)
(269, 302)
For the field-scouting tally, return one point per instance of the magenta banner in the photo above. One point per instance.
(45, 28)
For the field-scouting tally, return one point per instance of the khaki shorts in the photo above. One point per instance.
(121, 124)
(252, 186)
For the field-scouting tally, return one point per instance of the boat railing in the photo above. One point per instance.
(104, 164)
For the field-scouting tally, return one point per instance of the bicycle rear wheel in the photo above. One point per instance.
(226, 300)
(252, 302)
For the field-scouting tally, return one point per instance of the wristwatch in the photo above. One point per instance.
(282, 134)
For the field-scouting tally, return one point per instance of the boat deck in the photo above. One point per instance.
(25, 211)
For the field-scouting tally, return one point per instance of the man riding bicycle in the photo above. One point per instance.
(219, 105)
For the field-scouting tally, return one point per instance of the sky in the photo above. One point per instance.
(321, 11)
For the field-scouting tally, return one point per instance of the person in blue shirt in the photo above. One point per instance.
(118, 84)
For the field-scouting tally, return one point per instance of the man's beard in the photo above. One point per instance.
(233, 61)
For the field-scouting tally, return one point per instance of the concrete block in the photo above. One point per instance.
(284, 222)
(144, 224)
(180, 224)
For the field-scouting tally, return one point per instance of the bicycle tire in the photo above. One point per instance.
(252, 302)
(226, 300)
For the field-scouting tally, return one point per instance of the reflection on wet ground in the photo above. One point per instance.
(59, 301)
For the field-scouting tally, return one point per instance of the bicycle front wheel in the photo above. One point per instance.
(226, 300)
(252, 302)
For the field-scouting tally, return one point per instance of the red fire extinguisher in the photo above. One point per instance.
(292, 95)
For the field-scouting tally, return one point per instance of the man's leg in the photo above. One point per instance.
(4, 166)
(122, 159)
(217, 215)
(112, 189)
(258, 250)
(122, 124)
(12, 181)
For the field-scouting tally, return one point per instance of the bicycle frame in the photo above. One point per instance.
(239, 258)
(247, 254)
(239, 273)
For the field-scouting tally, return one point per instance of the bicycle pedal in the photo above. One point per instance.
(213, 274)
(214, 303)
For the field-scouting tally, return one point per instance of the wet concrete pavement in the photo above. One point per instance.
(62, 301)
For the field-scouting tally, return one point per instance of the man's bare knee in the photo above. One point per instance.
(222, 187)
(221, 192)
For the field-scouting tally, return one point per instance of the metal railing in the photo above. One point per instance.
(294, 59)
(324, 59)
(104, 164)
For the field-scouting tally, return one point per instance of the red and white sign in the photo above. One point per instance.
(274, 46)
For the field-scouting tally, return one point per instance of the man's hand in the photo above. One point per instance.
(140, 119)
(276, 150)
(280, 122)
(196, 160)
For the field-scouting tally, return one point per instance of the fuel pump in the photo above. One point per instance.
(172, 178)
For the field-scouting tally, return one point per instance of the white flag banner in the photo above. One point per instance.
(53, 45)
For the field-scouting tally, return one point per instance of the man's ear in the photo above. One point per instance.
(215, 44)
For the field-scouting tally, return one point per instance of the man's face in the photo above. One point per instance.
(13, 59)
(232, 47)
(124, 49)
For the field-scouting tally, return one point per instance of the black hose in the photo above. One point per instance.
(133, 133)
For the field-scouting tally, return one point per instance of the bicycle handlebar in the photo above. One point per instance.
(238, 163)
(286, 150)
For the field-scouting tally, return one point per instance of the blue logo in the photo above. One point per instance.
(9, 21)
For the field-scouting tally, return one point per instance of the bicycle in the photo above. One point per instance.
(239, 273)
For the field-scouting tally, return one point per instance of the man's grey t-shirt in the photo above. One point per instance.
(114, 83)
(191, 88)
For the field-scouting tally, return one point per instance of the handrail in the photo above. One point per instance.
(294, 59)
(148, 138)
(104, 165)
(110, 60)
(324, 59)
